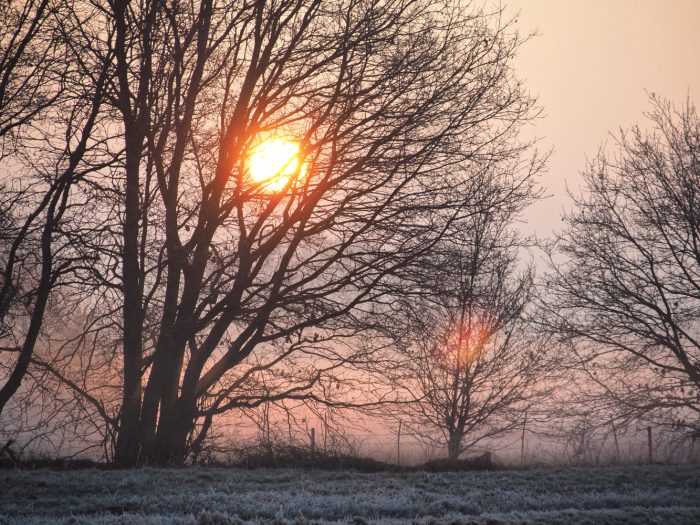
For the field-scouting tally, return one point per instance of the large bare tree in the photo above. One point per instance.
(624, 291)
(214, 289)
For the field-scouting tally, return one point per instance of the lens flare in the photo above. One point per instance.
(464, 347)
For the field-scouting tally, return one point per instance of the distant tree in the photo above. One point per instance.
(624, 290)
(473, 365)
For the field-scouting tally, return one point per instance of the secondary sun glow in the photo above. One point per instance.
(465, 347)
(272, 163)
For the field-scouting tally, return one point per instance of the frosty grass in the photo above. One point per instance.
(219, 496)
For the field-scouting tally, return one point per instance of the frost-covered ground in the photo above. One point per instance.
(669, 494)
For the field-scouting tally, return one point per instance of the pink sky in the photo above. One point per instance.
(592, 66)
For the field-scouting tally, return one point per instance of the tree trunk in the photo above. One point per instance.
(177, 419)
(161, 419)
(454, 446)
(128, 447)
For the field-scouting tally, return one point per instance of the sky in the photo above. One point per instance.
(592, 67)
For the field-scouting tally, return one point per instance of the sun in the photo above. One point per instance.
(272, 163)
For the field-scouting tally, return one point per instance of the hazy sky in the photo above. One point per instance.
(592, 65)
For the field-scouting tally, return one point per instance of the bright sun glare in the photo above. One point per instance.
(273, 162)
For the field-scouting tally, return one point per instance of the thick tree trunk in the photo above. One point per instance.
(161, 404)
(153, 397)
(136, 119)
(454, 447)
(128, 446)
(177, 419)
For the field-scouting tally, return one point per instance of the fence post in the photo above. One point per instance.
(651, 454)
(691, 455)
(313, 439)
(522, 441)
(398, 445)
(617, 446)
(325, 434)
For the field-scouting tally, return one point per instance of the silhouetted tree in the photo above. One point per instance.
(473, 365)
(213, 291)
(47, 117)
(624, 291)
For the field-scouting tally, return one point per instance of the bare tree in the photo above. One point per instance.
(624, 291)
(47, 117)
(214, 290)
(28, 52)
(473, 366)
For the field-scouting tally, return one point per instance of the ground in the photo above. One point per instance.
(219, 496)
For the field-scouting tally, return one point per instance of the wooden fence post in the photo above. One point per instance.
(617, 446)
(398, 445)
(522, 441)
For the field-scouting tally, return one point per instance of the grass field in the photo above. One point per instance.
(663, 494)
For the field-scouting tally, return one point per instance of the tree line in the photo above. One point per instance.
(149, 284)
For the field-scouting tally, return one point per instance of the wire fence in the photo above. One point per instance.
(516, 449)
